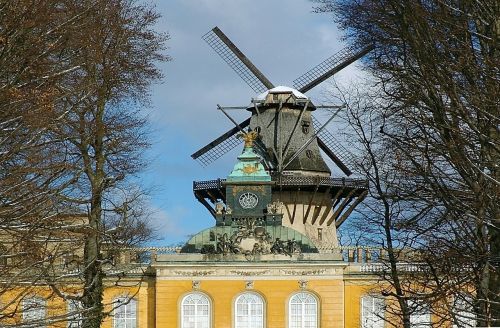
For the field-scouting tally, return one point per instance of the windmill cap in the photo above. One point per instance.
(282, 89)
(284, 95)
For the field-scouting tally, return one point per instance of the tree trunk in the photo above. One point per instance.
(93, 285)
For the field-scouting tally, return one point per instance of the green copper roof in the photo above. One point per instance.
(248, 168)
(268, 236)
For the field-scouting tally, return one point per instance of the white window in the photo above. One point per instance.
(34, 309)
(303, 311)
(463, 312)
(372, 312)
(195, 311)
(74, 314)
(249, 311)
(125, 313)
(420, 314)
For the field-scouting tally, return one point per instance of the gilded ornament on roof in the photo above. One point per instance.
(249, 169)
(249, 138)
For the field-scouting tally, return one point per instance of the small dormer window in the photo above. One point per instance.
(305, 126)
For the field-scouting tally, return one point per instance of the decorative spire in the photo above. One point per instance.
(249, 138)
(249, 167)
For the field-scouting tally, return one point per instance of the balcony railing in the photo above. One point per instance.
(292, 181)
(363, 255)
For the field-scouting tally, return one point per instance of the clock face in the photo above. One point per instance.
(248, 200)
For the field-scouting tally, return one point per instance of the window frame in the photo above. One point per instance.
(235, 307)
(424, 309)
(127, 302)
(34, 301)
(181, 307)
(289, 308)
(377, 321)
(74, 320)
(465, 314)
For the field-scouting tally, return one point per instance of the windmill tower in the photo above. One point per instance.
(289, 143)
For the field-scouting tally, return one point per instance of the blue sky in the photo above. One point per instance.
(283, 38)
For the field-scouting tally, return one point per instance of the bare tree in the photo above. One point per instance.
(75, 77)
(33, 39)
(436, 63)
(384, 218)
(104, 129)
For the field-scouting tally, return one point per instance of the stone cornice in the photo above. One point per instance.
(242, 271)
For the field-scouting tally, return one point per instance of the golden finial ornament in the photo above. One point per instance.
(249, 138)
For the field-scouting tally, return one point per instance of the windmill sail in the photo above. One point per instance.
(220, 146)
(328, 68)
(252, 76)
(228, 51)
(332, 148)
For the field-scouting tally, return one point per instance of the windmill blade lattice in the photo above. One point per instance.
(228, 51)
(328, 68)
(332, 144)
(220, 146)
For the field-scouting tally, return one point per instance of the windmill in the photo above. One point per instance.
(290, 139)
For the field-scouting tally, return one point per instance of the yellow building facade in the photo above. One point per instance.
(333, 290)
(293, 293)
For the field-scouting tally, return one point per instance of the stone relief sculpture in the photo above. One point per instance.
(219, 208)
(250, 239)
(275, 208)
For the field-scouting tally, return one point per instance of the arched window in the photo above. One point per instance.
(249, 311)
(34, 310)
(303, 311)
(420, 314)
(195, 311)
(125, 313)
(463, 311)
(74, 314)
(372, 312)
